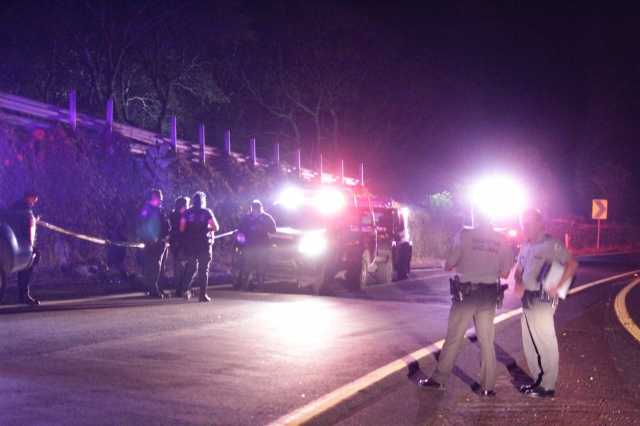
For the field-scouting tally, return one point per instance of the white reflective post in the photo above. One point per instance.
(252, 148)
(201, 142)
(109, 115)
(72, 109)
(174, 133)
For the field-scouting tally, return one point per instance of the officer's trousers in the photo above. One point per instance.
(255, 255)
(24, 277)
(197, 260)
(178, 268)
(481, 306)
(540, 342)
(153, 258)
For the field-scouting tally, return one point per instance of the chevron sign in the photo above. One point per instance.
(599, 209)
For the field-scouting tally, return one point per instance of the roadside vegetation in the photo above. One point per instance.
(91, 184)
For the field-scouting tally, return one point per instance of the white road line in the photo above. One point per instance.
(333, 399)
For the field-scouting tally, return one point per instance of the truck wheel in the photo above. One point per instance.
(385, 271)
(357, 277)
(3, 283)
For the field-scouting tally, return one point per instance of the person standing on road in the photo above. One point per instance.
(153, 230)
(197, 226)
(175, 237)
(538, 329)
(256, 227)
(24, 226)
(480, 256)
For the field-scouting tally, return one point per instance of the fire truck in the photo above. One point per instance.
(324, 232)
(394, 245)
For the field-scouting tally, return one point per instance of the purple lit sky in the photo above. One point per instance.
(563, 77)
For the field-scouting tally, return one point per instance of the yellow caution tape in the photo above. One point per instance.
(88, 238)
(102, 241)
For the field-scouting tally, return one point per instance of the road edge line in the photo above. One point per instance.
(622, 313)
(320, 411)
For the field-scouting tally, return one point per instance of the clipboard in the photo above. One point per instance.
(550, 274)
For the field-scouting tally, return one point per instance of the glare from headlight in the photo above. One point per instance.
(313, 244)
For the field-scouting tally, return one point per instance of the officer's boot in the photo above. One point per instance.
(25, 298)
(203, 294)
(23, 288)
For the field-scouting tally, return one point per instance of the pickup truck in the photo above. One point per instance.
(16, 253)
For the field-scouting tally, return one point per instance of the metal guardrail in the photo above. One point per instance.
(45, 114)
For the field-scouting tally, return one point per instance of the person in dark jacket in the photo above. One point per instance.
(256, 227)
(25, 228)
(197, 226)
(175, 249)
(153, 231)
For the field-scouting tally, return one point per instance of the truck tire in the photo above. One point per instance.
(3, 283)
(357, 277)
(385, 271)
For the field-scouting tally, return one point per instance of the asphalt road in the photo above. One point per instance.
(252, 358)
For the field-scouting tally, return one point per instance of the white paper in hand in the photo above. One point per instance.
(552, 278)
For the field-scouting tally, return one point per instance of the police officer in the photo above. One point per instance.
(480, 256)
(24, 223)
(538, 329)
(177, 258)
(256, 227)
(197, 226)
(153, 230)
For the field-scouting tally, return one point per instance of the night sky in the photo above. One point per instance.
(562, 77)
(546, 91)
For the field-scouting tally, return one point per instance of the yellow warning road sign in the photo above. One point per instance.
(599, 209)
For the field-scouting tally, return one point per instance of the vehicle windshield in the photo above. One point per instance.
(307, 217)
(303, 217)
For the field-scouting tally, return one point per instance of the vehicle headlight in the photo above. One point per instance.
(240, 238)
(313, 244)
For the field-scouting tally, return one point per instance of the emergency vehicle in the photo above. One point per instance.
(394, 246)
(323, 232)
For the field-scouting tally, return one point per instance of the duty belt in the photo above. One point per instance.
(478, 286)
(460, 290)
(529, 296)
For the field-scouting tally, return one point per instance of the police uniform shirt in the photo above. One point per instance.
(174, 221)
(256, 229)
(153, 223)
(535, 253)
(479, 255)
(197, 234)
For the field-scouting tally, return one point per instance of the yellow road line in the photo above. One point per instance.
(622, 313)
(309, 413)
